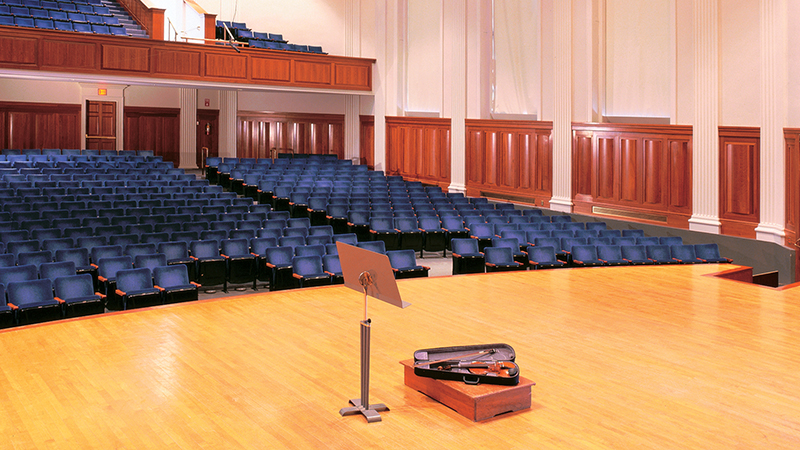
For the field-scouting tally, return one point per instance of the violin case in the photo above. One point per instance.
(440, 363)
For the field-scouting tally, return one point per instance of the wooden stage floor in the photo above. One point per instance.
(640, 357)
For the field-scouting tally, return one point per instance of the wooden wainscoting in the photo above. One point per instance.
(792, 201)
(419, 149)
(510, 160)
(67, 51)
(739, 153)
(40, 125)
(313, 134)
(367, 141)
(156, 129)
(641, 173)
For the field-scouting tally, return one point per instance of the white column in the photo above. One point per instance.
(705, 136)
(385, 76)
(479, 56)
(774, 92)
(352, 103)
(228, 111)
(562, 107)
(454, 18)
(188, 126)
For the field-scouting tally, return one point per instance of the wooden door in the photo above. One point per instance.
(207, 135)
(101, 125)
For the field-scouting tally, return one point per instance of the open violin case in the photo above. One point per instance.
(472, 364)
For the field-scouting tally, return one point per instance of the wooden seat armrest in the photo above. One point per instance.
(270, 265)
(330, 273)
(195, 283)
(299, 277)
(102, 278)
(121, 293)
(456, 255)
(194, 258)
(94, 265)
(426, 267)
(491, 264)
(59, 300)
(100, 295)
(159, 288)
(12, 306)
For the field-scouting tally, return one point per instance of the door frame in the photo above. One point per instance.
(114, 93)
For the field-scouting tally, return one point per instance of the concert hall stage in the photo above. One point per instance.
(622, 357)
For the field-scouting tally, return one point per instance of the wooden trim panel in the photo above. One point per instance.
(62, 51)
(510, 160)
(40, 125)
(367, 141)
(156, 129)
(315, 134)
(739, 185)
(419, 149)
(644, 172)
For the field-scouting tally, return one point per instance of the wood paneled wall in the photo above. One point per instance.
(367, 141)
(642, 172)
(792, 155)
(66, 51)
(419, 149)
(151, 19)
(739, 202)
(510, 160)
(40, 125)
(317, 134)
(156, 129)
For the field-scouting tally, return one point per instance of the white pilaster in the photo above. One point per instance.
(352, 103)
(562, 107)
(774, 35)
(705, 136)
(228, 111)
(188, 126)
(385, 78)
(454, 17)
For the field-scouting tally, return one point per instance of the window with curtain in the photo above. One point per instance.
(516, 81)
(638, 58)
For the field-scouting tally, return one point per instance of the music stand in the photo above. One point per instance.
(371, 273)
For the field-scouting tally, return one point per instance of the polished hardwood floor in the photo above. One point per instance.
(639, 357)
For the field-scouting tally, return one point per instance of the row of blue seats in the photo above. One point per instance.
(54, 10)
(49, 3)
(16, 194)
(60, 25)
(76, 151)
(59, 200)
(87, 165)
(54, 291)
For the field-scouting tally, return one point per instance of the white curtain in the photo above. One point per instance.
(424, 57)
(638, 58)
(516, 57)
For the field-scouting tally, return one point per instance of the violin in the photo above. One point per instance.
(489, 368)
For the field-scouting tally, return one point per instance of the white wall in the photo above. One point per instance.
(153, 96)
(311, 22)
(793, 66)
(291, 102)
(35, 91)
(740, 63)
(424, 86)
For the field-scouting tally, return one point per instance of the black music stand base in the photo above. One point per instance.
(361, 405)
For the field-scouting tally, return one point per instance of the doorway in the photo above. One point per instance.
(101, 125)
(207, 135)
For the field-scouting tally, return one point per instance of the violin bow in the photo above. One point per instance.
(470, 355)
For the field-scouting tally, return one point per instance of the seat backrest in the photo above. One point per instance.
(347, 238)
(74, 286)
(7, 260)
(149, 261)
(464, 246)
(331, 263)
(634, 252)
(647, 241)
(519, 235)
(310, 250)
(498, 255)
(130, 280)
(511, 243)
(291, 241)
(707, 251)
(307, 265)
(670, 240)
(684, 253)
(659, 253)
(609, 252)
(320, 230)
(18, 273)
(373, 246)
(80, 256)
(542, 253)
(279, 255)
(483, 230)
(584, 252)
(171, 276)
(35, 258)
(204, 249)
(235, 247)
(260, 244)
(109, 266)
(402, 259)
(53, 270)
(382, 224)
(21, 293)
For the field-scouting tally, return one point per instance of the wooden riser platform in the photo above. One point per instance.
(623, 357)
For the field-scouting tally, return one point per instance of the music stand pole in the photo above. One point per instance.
(361, 405)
